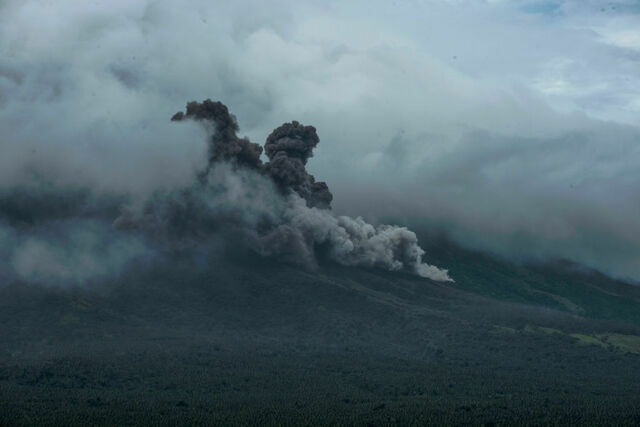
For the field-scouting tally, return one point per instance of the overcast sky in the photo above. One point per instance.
(512, 125)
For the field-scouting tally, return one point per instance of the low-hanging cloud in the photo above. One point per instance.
(69, 252)
(52, 235)
(521, 140)
(83, 252)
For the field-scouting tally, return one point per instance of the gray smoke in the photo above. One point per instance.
(518, 150)
(277, 209)
(288, 149)
(223, 144)
(350, 241)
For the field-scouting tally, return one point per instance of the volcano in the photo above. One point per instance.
(238, 339)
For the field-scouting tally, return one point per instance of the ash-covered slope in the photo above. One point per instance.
(210, 340)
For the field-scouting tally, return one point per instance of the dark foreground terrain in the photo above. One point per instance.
(225, 342)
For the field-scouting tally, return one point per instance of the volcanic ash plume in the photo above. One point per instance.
(277, 208)
(349, 241)
(224, 144)
(288, 148)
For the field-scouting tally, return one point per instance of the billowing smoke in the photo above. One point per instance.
(288, 149)
(224, 144)
(53, 233)
(277, 209)
(350, 241)
(521, 151)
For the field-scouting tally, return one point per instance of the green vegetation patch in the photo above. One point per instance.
(497, 329)
(588, 339)
(624, 343)
(619, 342)
(550, 331)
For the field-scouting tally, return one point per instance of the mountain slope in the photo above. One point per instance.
(561, 285)
(241, 339)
